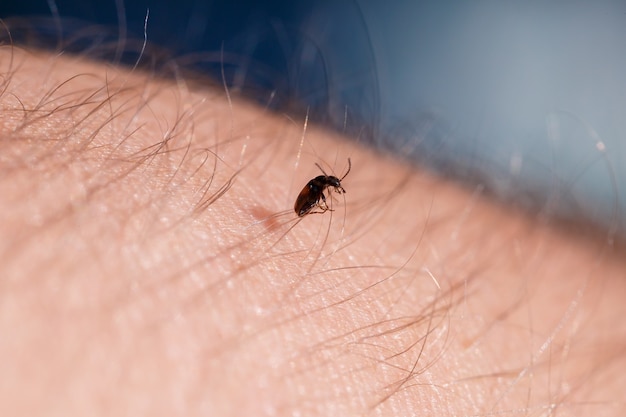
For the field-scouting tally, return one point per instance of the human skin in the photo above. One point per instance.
(152, 264)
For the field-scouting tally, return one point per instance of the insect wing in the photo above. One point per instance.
(303, 204)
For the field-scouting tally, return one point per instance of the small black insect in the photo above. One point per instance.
(312, 195)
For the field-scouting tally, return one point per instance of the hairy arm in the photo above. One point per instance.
(152, 264)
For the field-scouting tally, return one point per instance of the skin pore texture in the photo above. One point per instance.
(151, 263)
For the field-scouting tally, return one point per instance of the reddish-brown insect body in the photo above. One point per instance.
(312, 195)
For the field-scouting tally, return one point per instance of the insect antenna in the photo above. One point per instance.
(348, 171)
(321, 169)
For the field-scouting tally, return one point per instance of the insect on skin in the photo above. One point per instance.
(312, 195)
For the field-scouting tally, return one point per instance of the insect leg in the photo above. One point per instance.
(322, 203)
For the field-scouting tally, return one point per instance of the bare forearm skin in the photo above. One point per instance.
(152, 264)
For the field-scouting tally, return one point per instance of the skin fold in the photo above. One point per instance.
(152, 264)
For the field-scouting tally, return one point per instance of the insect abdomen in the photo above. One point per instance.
(308, 197)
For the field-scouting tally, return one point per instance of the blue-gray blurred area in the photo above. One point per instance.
(527, 98)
